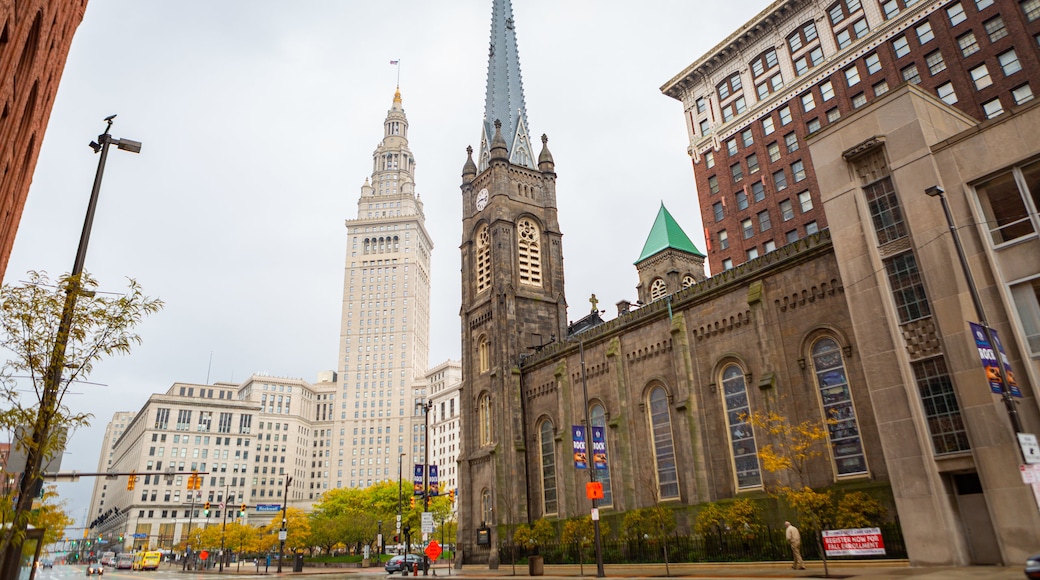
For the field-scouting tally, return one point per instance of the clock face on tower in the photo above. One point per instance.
(482, 199)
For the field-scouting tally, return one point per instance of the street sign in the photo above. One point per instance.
(282, 535)
(594, 490)
(138, 536)
(433, 550)
(427, 522)
(1030, 473)
(1030, 448)
(268, 507)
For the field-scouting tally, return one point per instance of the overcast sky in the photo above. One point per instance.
(259, 120)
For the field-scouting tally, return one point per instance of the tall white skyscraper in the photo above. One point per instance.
(384, 337)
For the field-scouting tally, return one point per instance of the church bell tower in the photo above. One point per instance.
(512, 293)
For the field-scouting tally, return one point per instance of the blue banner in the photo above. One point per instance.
(599, 448)
(989, 361)
(435, 487)
(417, 480)
(581, 457)
(268, 507)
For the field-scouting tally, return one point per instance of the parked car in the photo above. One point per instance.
(95, 568)
(1033, 567)
(399, 563)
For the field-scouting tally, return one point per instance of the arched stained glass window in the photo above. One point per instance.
(546, 445)
(664, 447)
(484, 418)
(658, 289)
(843, 428)
(529, 249)
(483, 258)
(741, 436)
(598, 418)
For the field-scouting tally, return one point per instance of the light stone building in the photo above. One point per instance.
(384, 338)
(445, 396)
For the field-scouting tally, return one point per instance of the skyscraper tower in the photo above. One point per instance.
(385, 330)
(512, 296)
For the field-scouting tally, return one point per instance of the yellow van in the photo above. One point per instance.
(147, 560)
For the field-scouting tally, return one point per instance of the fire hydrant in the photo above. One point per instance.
(415, 569)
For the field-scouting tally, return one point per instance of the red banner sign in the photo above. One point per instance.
(856, 542)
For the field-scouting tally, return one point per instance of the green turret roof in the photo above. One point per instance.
(665, 234)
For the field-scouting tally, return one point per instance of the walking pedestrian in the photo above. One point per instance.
(795, 539)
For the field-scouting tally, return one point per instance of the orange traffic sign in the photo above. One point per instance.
(433, 550)
(594, 490)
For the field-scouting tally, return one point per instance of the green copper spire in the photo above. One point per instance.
(665, 234)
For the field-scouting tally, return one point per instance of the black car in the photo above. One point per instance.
(398, 563)
(1033, 567)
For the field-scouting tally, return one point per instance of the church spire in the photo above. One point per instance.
(504, 100)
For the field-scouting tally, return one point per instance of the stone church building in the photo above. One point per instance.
(671, 380)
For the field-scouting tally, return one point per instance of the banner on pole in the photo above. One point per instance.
(435, 486)
(599, 448)
(581, 457)
(417, 480)
(988, 354)
(855, 542)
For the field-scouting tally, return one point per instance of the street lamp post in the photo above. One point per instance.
(400, 491)
(283, 533)
(223, 526)
(191, 514)
(1005, 384)
(43, 427)
(592, 464)
(380, 541)
(425, 407)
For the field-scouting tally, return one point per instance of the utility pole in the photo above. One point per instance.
(592, 464)
(223, 526)
(43, 427)
(191, 514)
(283, 533)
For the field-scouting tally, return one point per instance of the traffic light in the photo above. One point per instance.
(130, 482)
(413, 502)
(205, 509)
(242, 511)
(451, 495)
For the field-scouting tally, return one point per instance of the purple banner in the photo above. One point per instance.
(417, 479)
(599, 448)
(989, 361)
(435, 486)
(581, 455)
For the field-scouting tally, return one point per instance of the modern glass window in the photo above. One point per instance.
(716, 209)
(885, 211)
(529, 256)
(764, 224)
(774, 151)
(779, 180)
(968, 43)
(805, 201)
(1026, 296)
(935, 63)
(901, 47)
(995, 28)
(1010, 209)
(956, 14)
(786, 210)
(1022, 94)
(483, 248)
(924, 33)
(599, 419)
(838, 409)
(747, 228)
(946, 93)
(980, 76)
(941, 408)
(791, 140)
(852, 75)
(741, 435)
(713, 183)
(664, 448)
(1009, 62)
(992, 108)
(547, 446)
(907, 287)
(873, 62)
(484, 418)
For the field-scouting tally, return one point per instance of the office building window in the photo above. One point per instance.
(935, 62)
(1026, 296)
(805, 201)
(1009, 62)
(995, 28)
(901, 47)
(968, 43)
(811, 228)
(709, 159)
(791, 141)
(752, 163)
(785, 114)
(723, 239)
(764, 224)
(992, 108)
(713, 184)
(941, 409)
(956, 14)
(798, 169)
(924, 33)
(786, 210)
(716, 209)
(879, 89)
(779, 180)
(751, 254)
(910, 74)
(1010, 210)
(873, 62)
(907, 287)
(1031, 9)
(980, 76)
(946, 93)
(747, 228)
(758, 191)
(852, 75)
(1022, 94)
(767, 126)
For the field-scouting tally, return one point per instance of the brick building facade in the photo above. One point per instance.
(35, 36)
(800, 65)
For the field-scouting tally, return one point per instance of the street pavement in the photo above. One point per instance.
(889, 570)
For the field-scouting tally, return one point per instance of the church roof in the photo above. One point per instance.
(504, 99)
(665, 234)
